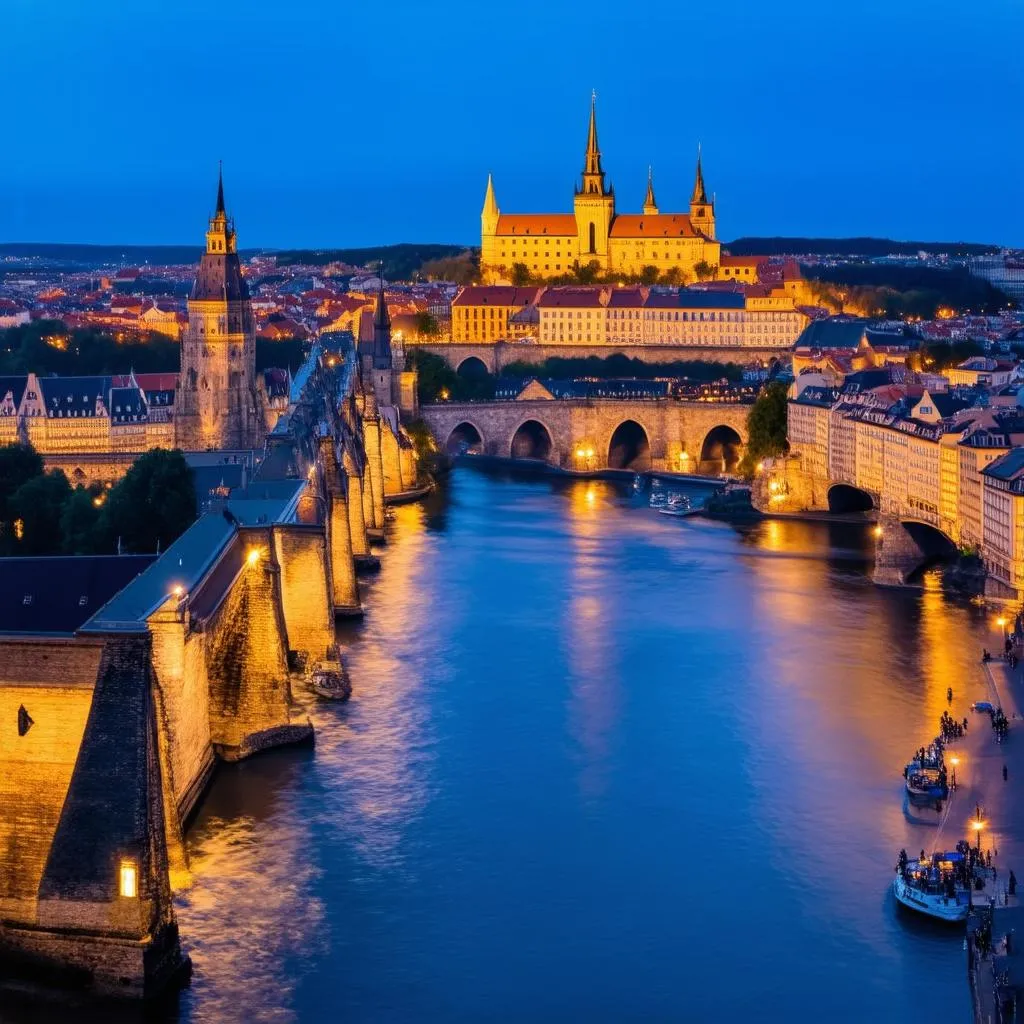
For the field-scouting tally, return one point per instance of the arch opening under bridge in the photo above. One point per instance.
(722, 450)
(845, 498)
(472, 368)
(629, 447)
(531, 440)
(465, 439)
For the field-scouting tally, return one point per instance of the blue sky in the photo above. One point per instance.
(350, 124)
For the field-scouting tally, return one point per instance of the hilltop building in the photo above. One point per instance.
(550, 244)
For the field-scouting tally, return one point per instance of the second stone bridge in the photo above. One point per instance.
(592, 434)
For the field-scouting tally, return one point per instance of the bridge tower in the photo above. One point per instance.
(219, 405)
(594, 204)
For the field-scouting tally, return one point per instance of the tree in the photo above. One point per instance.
(705, 271)
(38, 505)
(649, 275)
(520, 274)
(80, 522)
(19, 463)
(153, 504)
(588, 273)
(673, 277)
(766, 426)
(427, 325)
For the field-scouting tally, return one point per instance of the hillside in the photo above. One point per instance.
(779, 246)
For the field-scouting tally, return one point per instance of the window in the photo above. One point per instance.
(27, 599)
(129, 886)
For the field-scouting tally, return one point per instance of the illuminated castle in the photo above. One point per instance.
(550, 244)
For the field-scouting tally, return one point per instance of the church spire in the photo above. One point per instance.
(490, 213)
(220, 212)
(593, 174)
(700, 194)
(650, 206)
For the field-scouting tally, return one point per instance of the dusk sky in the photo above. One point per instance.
(350, 124)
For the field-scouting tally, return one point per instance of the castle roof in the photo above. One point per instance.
(576, 298)
(659, 225)
(219, 278)
(495, 295)
(561, 224)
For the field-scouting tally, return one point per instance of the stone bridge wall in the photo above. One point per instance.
(672, 427)
(500, 354)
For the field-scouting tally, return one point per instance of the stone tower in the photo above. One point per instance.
(377, 356)
(218, 405)
(490, 213)
(702, 212)
(594, 205)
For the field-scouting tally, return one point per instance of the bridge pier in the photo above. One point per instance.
(344, 586)
(897, 554)
(250, 693)
(306, 597)
(364, 559)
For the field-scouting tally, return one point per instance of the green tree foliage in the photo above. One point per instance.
(287, 353)
(766, 426)
(80, 524)
(47, 347)
(461, 269)
(619, 365)
(427, 325)
(437, 381)
(520, 274)
(896, 290)
(153, 504)
(649, 275)
(705, 271)
(39, 505)
(941, 355)
(19, 463)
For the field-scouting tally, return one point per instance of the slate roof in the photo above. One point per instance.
(658, 225)
(57, 594)
(15, 386)
(127, 405)
(73, 396)
(220, 278)
(1007, 467)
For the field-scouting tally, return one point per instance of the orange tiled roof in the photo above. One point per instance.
(741, 261)
(660, 225)
(560, 224)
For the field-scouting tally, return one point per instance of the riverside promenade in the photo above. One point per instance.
(1001, 807)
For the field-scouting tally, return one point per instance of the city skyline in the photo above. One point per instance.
(890, 123)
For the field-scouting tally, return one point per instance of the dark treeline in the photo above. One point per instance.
(778, 246)
(400, 261)
(47, 347)
(895, 291)
(438, 380)
(943, 354)
(42, 514)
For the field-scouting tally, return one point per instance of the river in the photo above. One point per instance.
(600, 764)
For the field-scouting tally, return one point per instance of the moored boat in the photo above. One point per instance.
(937, 887)
(927, 783)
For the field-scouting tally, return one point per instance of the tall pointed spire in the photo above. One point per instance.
(700, 194)
(381, 318)
(593, 174)
(220, 212)
(650, 206)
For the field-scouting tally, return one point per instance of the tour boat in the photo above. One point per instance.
(933, 888)
(927, 783)
(659, 499)
(678, 505)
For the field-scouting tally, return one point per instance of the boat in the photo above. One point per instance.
(927, 783)
(937, 887)
(659, 499)
(329, 677)
(927, 759)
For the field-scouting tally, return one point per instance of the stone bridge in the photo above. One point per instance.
(593, 434)
(122, 684)
(496, 356)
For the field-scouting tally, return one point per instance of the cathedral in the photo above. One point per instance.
(220, 401)
(552, 244)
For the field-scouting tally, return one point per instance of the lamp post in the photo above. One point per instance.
(978, 825)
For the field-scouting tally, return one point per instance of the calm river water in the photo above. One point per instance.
(600, 764)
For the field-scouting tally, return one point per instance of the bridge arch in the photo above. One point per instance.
(721, 449)
(843, 498)
(531, 440)
(472, 368)
(465, 439)
(629, 447)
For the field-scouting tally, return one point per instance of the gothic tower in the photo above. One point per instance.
(378, 357)
(218, 405)
(594, 205)
(702, 213)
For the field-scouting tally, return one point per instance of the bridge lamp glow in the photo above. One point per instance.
(773, 486)
(954, 760)
(580, 453)
(253, 556)
(877, 531)
(178, 590)
(590, 453)
(129, 879)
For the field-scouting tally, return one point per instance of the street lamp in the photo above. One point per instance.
(978, 826)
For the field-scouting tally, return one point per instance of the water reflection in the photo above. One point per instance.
(599, 764)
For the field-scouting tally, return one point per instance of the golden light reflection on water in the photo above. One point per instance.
(588, 622)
